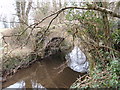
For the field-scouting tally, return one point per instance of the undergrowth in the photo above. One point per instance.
(105, 56)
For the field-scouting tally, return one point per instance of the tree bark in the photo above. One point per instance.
(106, 28)
(22, 12)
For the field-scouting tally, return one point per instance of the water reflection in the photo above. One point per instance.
(43, 74)
(36, 85)
(22, 85)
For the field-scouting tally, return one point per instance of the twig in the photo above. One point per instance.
(90, 7)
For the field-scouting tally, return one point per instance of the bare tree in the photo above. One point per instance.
(117, 8)
(5, 24)
(12, 22)
(55, 8)
(61, 16)
(23, 9)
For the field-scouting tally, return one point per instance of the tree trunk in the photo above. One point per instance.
(22, 12)
(106, 26)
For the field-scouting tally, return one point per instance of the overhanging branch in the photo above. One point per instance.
(89, 7)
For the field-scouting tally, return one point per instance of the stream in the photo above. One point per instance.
(51, 72)
(43, 74)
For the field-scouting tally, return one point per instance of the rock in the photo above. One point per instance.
(77, 60)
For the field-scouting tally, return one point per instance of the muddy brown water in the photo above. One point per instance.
(43, 73)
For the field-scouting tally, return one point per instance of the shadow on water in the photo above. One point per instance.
(43, 74)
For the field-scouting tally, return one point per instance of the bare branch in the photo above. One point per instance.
(90, 7)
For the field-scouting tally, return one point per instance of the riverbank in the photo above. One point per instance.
(17, 55)
(43, 74)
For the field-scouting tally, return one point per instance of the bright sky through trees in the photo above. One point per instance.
(7, 8)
